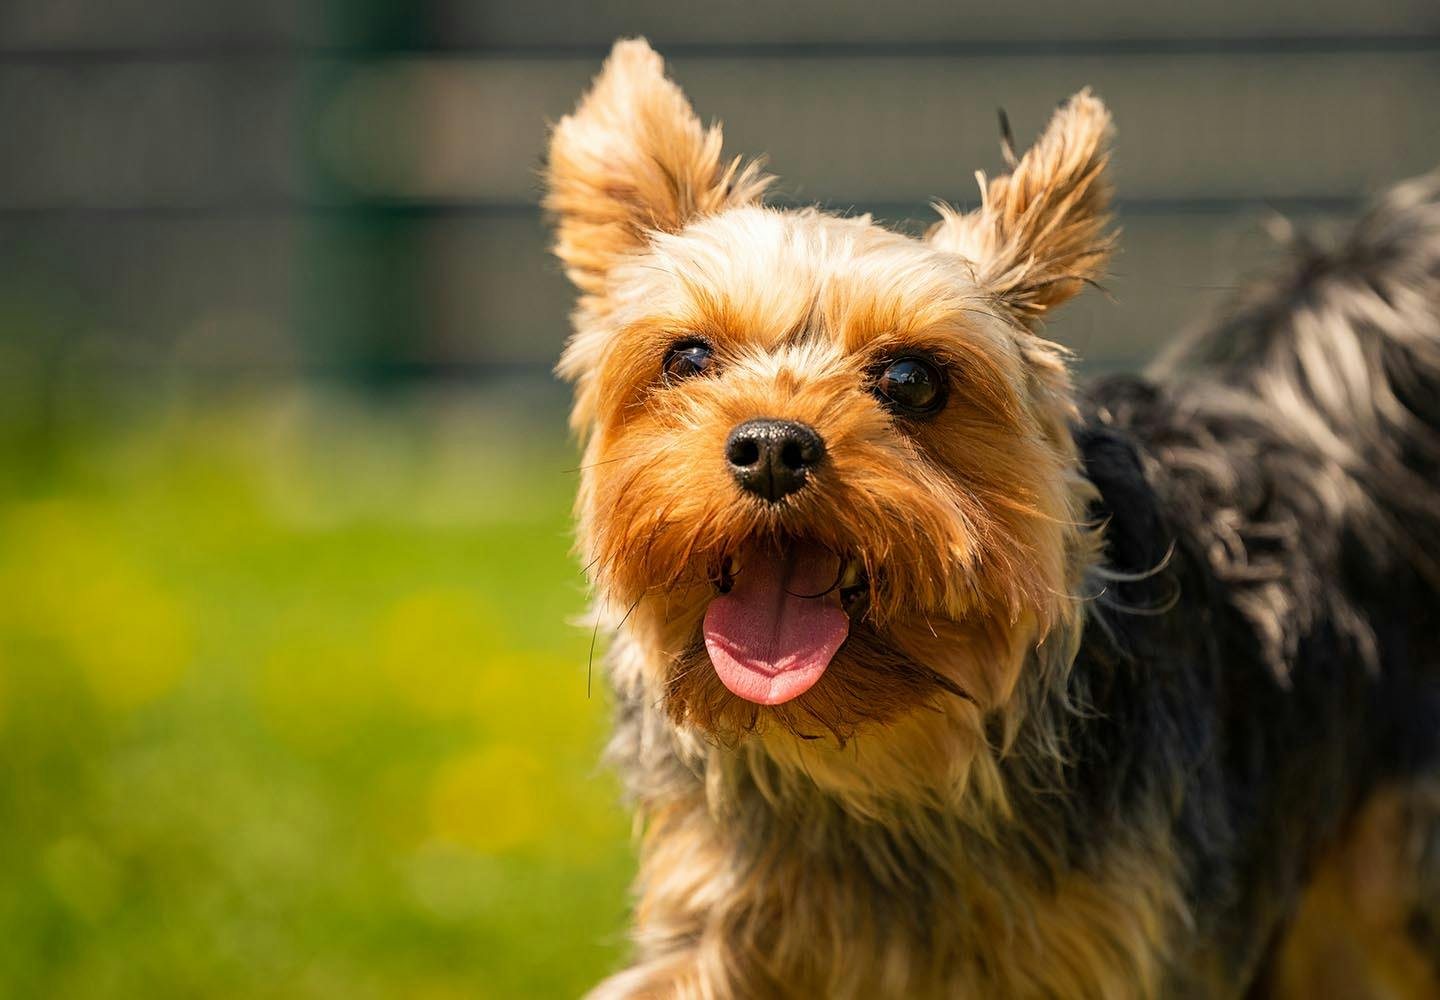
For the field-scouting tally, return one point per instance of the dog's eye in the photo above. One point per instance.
(689, 357)
(912, 386)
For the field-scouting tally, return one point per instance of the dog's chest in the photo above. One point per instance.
(835, 908)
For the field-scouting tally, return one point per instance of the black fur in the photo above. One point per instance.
(1284, 661)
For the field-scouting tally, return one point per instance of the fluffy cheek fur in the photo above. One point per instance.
(960, 521)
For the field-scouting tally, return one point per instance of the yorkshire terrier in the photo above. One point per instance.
(938, 676)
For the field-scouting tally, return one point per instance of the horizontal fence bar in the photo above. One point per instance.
(1024, 48)
(421, 210)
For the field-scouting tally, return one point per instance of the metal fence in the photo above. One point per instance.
(250, 187)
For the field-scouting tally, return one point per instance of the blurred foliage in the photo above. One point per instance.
(292, 705)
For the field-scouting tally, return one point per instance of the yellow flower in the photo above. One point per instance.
(493, 800)
(431, 647)
(68, 581)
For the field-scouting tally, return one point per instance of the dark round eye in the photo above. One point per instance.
(689, 357)
(913, 386)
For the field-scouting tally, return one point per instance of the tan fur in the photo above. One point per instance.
(970, 526)
(1040, 233)
(1351, 937)
(790, 928)
(631, 161)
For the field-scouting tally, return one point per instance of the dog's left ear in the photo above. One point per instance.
(632, 160)
(1040, 233)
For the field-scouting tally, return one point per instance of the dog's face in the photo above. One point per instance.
(828, 478)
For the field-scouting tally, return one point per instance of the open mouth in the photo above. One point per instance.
(780, 616)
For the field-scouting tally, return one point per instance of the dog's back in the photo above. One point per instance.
(1295, 449)
(1342, 351)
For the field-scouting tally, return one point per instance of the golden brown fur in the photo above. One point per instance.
(970, 529)
(1354, 935)
(791, 928)
(910, 825)
(1040, 233)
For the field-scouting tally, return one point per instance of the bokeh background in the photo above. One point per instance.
(291, 704)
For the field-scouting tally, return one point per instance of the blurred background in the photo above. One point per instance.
(290, 701)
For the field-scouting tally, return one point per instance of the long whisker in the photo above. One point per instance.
(941, 681)
(653, 453)
(590, 663)
(839, 575)
(590, 666)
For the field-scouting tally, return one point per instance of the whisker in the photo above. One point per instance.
(638, 453)
(929, 624)
(1119, 576)
(945, 683)
(839, 575)
(590, 666)
(585, 570)
(1153, 611)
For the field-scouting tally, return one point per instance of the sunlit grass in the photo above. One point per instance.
(289, 706)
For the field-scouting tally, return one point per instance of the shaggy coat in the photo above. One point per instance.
(1141, 690)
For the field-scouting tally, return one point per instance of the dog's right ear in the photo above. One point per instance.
(632, 160)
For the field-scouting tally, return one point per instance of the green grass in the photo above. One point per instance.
(291, 706)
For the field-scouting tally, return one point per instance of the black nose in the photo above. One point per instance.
(772, 458)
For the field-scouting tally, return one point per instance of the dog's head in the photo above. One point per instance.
(828, 476)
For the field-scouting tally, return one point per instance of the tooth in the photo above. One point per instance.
(851, 576)
(729, 566)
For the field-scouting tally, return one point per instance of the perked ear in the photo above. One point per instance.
(1040, 233)
(631, 160)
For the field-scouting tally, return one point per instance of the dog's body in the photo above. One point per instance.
(1124, 693)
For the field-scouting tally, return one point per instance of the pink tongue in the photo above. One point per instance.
(768, 640)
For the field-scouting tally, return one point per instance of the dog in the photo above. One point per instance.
(938, 675)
